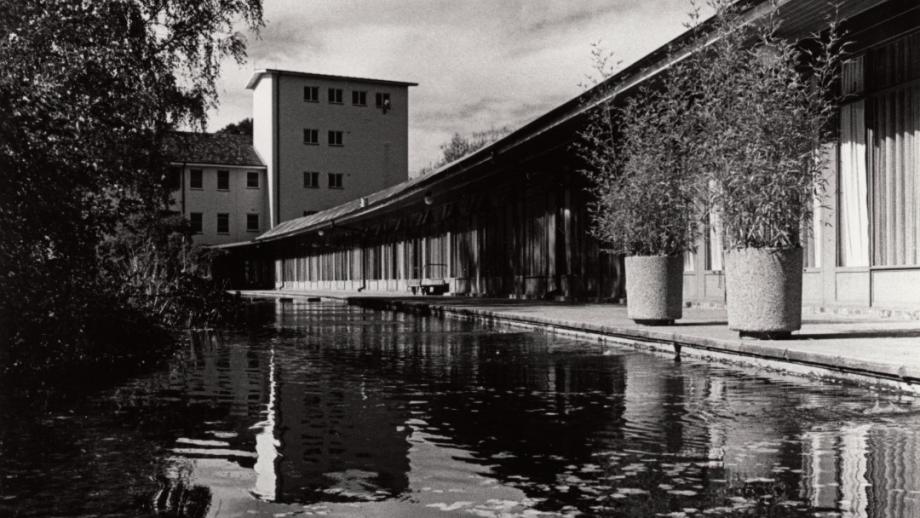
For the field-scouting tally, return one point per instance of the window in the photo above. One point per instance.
(252, 222)
(335, 138)
(223, 180)
(878, 217)
(195, 219)
(195, 181)
(310, 180)
(252, 180)
(712, 236)
(335, 180)
(335, 95)
(359, 98)
(223, 223)
(310, 136)
(311, 94)
(383, 101)
(309, 212)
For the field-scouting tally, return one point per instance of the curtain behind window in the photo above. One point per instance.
(894, 153)
(853, 212)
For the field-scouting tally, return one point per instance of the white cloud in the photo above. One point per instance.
(480, 63)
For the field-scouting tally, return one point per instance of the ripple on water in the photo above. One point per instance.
(337, 411)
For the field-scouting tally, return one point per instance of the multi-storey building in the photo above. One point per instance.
(327, 139)
(219, 184)
(318, 141)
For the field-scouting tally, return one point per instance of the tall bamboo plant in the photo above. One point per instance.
(640, 157)
(766, 106)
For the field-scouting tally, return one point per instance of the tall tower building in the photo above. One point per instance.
(327, 139)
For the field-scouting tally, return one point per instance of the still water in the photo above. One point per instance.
(333, 410)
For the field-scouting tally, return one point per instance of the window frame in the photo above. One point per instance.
(226, 216)
(225, 173)
(191, 179)
(313, 96)
(336, 138)
(249, 176)
(313, 183)
(249, 226)
(359, 98)
(336, 180)
(311, 136)
(336, 96)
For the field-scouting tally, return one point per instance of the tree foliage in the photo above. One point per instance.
(460, 146)
(89, 89)
(243, 127)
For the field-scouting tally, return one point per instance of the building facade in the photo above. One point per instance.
(327, 139)
(219, 185)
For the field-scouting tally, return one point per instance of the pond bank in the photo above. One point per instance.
(883, 353)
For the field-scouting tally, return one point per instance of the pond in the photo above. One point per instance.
(333, 410)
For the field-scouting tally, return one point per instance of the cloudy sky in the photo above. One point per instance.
(479, 63)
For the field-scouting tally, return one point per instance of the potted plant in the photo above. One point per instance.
(766, 111)
(640, 161)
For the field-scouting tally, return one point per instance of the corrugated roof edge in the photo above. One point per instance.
(257, 75)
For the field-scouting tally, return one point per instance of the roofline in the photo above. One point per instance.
(209, 164)
(257, 75)
(235, 244)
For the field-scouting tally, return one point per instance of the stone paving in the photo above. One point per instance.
(866, 349)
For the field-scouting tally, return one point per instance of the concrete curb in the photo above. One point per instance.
(880, 376)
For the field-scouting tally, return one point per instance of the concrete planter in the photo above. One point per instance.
(654, 288)
(764, 291)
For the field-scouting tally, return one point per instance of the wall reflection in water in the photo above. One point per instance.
(335, 405)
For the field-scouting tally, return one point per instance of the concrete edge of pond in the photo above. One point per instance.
(766, 354)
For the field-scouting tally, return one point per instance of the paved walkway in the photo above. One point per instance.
(884, 352)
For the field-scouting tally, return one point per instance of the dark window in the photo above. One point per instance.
(195, 219)
(252, 222)
(223, 180)
(335, 95)
(309, 212)
(310, 136)
(223, 223)
(335, 138)
(252, 180)
(195, 181)
(174, 179)
(335, 180)
(359, 98)
(382, 100)
(311, 180)
(311, 94)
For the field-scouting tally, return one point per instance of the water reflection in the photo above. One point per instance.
(341, 411)
(266, 444)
